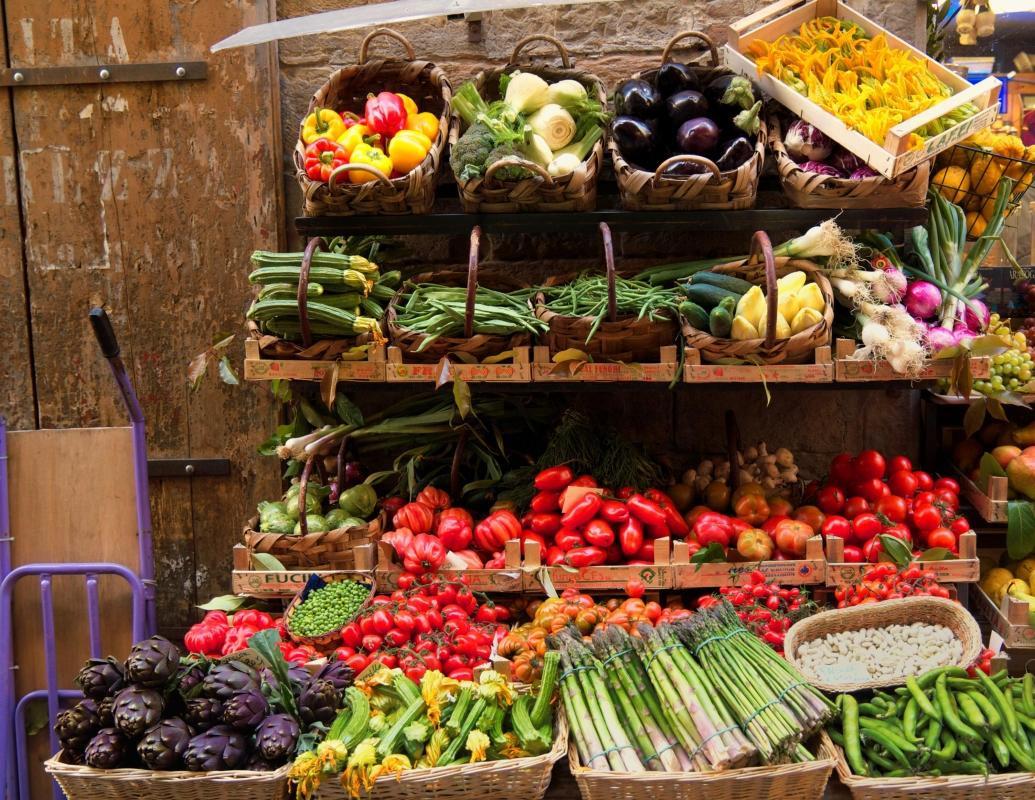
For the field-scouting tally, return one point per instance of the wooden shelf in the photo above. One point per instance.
(850, 370)
(965, 569)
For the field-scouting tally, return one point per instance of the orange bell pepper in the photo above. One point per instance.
(408, 104)
(355, 135)
(425, 122)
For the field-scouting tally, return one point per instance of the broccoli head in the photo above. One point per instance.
(511, 172)
(467, 157)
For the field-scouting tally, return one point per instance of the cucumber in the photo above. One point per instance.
(727, 282)
(720, 320)
(708, 296)
(695, 315)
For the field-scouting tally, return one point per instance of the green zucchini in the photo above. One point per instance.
(694, 314)
(708, 296)
(283, 291)
(728, 282)
(327, 276)
(266, 258)
(720, 320)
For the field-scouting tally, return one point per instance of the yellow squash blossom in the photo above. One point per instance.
(435, 688)
(477, 744)
(393, 764)
(494, 686)
(305, 773)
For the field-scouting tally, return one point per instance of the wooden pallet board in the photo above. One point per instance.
(507, 580)
(849, 370)
(607, 577)
(257, 368)
(806, 571)
(821, 370)
(991, 506)
(273, 584)
(965, 569)
(1011, 619)
(399, 370)
(544, 370)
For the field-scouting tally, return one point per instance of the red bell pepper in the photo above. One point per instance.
(583, 511)
(553, 479)
(455, 528)
(544, 524)
(645, 511)
(713, 527)
(625, 492)
(385, 113)
(630, 537)
(646, 553)
(674, 522)
(599, 533)
(586, 556)
(322, 157)
(545, 502)
(554, 556)
(498, 561)
(614, 511)
(531, 536)
(567, 538)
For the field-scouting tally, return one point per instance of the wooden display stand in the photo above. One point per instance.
(606, 577)
(271, 584)
(508, 579)
(544, 370)
(991, 506)
(965, 569)
(257, 368)
(793, 572)
(819, 371)
(850, 370)
(1011, 619)
(398, 370)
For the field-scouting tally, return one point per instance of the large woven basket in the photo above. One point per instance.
(471, 345)
(931, 610)
(330, 640)
(574, 192)
(515, 779)
(87, 783)
(782, 782)
(642, 190)
(770, 350)
(316, 551)
(811, 190)
(1007, 786)
(347, 89)
(625, 339)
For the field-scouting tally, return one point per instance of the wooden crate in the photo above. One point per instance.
(821, 370)
(965, 569)
(257, 368)
(546, 371)
(606, 577)
(793, 572)
(1011, 619)
(508, 579)
(991, 506)
(849, 370)
(893, 157)
(398, 370)
(273, 584)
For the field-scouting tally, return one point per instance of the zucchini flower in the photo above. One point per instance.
(512, 748)
(436, 744)
(383, 677)
(494, 686)
(393, 764)
(417, 732)
(305, 772)
(378, 721)
(357, 772)
(435, 688)
(332, 754)
(477, 744)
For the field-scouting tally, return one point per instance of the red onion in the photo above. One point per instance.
(963, 336)
(922, 299)
(938, 338)
(976, 322)
(805, 142)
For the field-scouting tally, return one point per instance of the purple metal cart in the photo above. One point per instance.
(13, 750)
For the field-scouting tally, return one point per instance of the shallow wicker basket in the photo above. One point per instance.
(515, 779)
(770, 350)
(625, 339)
(642, 190)
(811, 190)
(782, 782)
(87, 783)
(347, 88)
(471, 345)
(574, 192)
(1007, 786)
(317, 552)
(331, 639)
(932, 610)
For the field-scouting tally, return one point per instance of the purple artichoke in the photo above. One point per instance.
(164, 744)
(246, 709)
(190, 677)
(106, 712)
(152, 662)
(202, 713)
(218, 748)
(258, 764)
(136, 710)
(100, 678)
(277, 737)
(318, 703)
(107, 750)
(338, 673)
(228, 677)
(76, 726)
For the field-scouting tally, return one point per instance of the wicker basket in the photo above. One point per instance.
(317, 552)
(412, 193)
(642, 190)
(514, 779)
(932, 610)
(331, 639)
(781, 782)
(87, 783)
(471, 346)
(625, 339)
(983, 171)
(770, 350)
(810, 190)
(574, 192)
(1007, 786)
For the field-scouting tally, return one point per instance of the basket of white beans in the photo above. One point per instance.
(882, 644)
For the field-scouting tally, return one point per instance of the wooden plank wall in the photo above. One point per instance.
(147, 198)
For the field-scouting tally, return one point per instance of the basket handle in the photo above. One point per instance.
(609, 263)
(707, 163)
(531, 166)
(732, 447)
(542, 37)
(303, 288)
(332, 180)
(472, 281)
(389, 33)
(303, 483)
(687, 35)
(760, 245)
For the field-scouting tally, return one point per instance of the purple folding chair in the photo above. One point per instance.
(13, 744)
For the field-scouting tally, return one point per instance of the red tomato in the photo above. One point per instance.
(634, 587)
(853, 554)
(942, 537)
(466, 600)
(959, 526)
(872, 550)
(899, 463)
(926, 517)
(841, 471)
(382, 622)
(811, 516)
(903, 483)
(892, 507)
(389, 660)
(416, 672)
(949, 498)
(366, 625)
(351, 635)
(854, 506)
(947, 483)
(924, 499)
(830, 499)
(371, 643)
(434, 618)
(461, 674)
(837, 526)
(357, 662)
(924, 481)
(869, 465)
(421, 624)
(405, 580)
(396, 637)
(872, 489)
(900, 532)
(865, 526)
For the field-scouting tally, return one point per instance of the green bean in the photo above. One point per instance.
(909, 720)
(850, 726)
(927, 680)
(969, 709)
(999, 750)
(890, 745)
(994, 718)
(1026, 762)
(949, 748)
(1028, 694)
(921, 699)
(876, 758)
(888, 732)
(948, 710)
(996, 696)
(934, 728)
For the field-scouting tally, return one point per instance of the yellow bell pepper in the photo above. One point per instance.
(372, 157)
(408, 104)
(425, 122)
(407, 149)
(355, 135)
(324, 123)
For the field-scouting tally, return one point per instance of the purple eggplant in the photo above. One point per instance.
(674, 76)
(682, 169)
(636, 139)
(728, 95)
(685, 105)
(637, 98)
(698, 136)
(735, 153)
